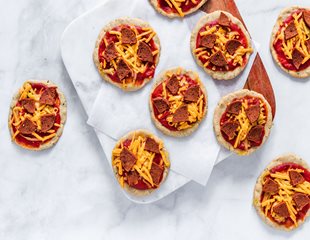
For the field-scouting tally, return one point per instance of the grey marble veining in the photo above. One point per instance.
(68, 192)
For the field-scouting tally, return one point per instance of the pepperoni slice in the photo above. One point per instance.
(218, 59)
(29, 105)
(122, 70)
(180, 115)
(47, 122)
(234, 107)
(173, 85)
(156, 173)
(224, 20)
(145, 53)
(27, 127)
(229, 128)
(255, 134)
(48, 96)
(296, 178)
(253, 113)
(192, 94)
(132, 178)
(110, 52)
(301, 200)
(271, 187)
(161, 104)
(281, 210)
(306, 16)
(208, 41)
(232, 46)
(128, 159)
(151, 145)
(298, 58)
(290, 31)
(128, 36)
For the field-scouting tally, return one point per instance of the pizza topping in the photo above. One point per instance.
(151, 145)
(284, 202)
(234, 107)
(161, 104)
(123, 70)
(180, 115)
(271, 187)
(27, 127)
(145, 160)
(145, 52)
(253, 113)
(29, 105)
(224, 20)
(291, 42)
(47, 122)
(306, 16)
(192, 94)
(110, 52)
(156, 173)
(255, 134)
(232, 46)
(250, 114)
(290, 31)
(298, 58)
(307, 43)
(296, 178)
(301, 200)
(281, 210)
(230, 128)
(48, 96)
(218, 59)
(173, 85)
(208, 41)
(128, 159)
(180, 7)
(132, 178)
(128, 36)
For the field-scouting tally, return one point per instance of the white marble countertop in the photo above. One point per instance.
(68, 192)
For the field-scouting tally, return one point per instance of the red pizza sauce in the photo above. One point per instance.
(287, 63)
(150, 69)
(158, 92)
(242, 38)
(251, 102)
(185, 7)
(20, 138)
(284, 167)
(142, 185)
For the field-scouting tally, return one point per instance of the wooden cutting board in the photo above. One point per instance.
(258, 79)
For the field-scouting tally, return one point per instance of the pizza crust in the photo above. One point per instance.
(107, 28)
(162, 77)
(221, 108)
(259, 188)
(63, 116)
(285, 13)
(219, 75)
(175, 15)
(127, 188)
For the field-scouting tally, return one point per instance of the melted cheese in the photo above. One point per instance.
(286, 191)
(129, 53)
(18, 115)
(144, 157)
(299, 41)
(220, 45)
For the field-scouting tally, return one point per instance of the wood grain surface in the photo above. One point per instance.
(258, 79)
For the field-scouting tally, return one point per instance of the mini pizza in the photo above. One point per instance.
(178, 102)
(177, 8)
(290, 41)
(221, 45)
(37, 115)
(140, 162)
(127, 53)
(282, 193)
(242, 121)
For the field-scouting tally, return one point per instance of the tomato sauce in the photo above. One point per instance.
(242, 146)
(284, 167)
(287, 63)
(39, 88)
(150, 69)
(185, 7)
(142, 185)
(230, 66)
